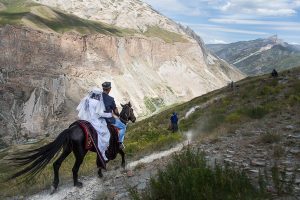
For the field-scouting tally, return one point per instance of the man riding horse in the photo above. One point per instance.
(97, 108)
(100, 110)
(110, 107)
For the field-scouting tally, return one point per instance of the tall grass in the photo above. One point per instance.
(189, 177)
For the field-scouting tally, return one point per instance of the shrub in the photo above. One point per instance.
(213, 122)
(233, 117)
(278, 151)
(270, 138)
(256, 112)
(282, 184)
(268, 90)
(293, 99)
(189, 177)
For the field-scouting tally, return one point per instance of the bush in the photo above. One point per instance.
(270, 138)
(213, 122)
(278, 151)
(293, 99)
(256, 112)
(189, 177)
(268, 90)
(233, 117)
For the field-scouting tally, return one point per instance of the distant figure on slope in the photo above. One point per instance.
(174, 121)
(274, 73)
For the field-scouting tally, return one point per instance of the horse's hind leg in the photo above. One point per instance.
(123, 157)
(79, 155)
(57, 164)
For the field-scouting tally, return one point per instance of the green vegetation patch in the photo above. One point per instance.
(270, 138)
(167, 36)
(189, 177)
(43, 17)
(152, 104)
(254, 112)
(234, 117)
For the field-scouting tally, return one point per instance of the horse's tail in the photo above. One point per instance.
(40, 157)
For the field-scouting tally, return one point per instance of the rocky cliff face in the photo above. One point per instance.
(44, 76)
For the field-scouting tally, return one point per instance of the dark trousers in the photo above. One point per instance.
(174, 127)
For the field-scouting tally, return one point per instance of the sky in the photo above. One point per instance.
(226, 21)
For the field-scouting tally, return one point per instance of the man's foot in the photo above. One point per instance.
(121, 146)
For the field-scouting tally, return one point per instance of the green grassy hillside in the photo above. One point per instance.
(24, 12)
(219, 112)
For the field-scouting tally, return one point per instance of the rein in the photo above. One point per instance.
(125, 121)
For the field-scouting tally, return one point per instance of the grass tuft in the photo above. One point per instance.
(255, 112)
(270, 138)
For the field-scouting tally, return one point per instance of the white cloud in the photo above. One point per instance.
(253, 8)
(226, 6)
(270, 25)
(277, 12)
(173, 7)
(223, 29)
(286, 28)
(253, 22)
(215, 41)
(260, 7)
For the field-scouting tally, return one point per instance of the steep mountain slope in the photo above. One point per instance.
(252, 127)
(259, 56)
(133, 14)
(50, 60)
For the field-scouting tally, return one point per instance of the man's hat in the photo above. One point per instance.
(106, 85)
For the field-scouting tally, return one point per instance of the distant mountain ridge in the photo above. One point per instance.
(259, 56)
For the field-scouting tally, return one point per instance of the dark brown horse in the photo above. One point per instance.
(71, 139)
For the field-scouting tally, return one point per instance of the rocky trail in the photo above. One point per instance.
(115, 183)
(242, 148)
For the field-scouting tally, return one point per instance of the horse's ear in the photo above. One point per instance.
(122, 105)
(129, 104)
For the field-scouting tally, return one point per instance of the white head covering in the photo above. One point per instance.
(92, 110)
(85, 113)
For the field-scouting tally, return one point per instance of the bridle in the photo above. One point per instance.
(126, 119)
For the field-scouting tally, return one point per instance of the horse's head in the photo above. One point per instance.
(127, 114)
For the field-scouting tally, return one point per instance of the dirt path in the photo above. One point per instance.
(115, 183)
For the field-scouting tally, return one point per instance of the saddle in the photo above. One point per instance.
(91, 137)
(91, 140)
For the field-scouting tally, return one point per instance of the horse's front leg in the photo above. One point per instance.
(100, 175)
(123, 158)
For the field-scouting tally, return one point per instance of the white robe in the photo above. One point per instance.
(92, 110)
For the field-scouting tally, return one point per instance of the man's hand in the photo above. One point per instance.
(116, 112)
(114, 115)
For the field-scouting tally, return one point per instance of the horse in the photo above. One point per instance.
(71, 139)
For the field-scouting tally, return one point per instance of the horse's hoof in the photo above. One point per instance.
(78, 184)
(123, 165)
(100, 175)
(53, 190)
